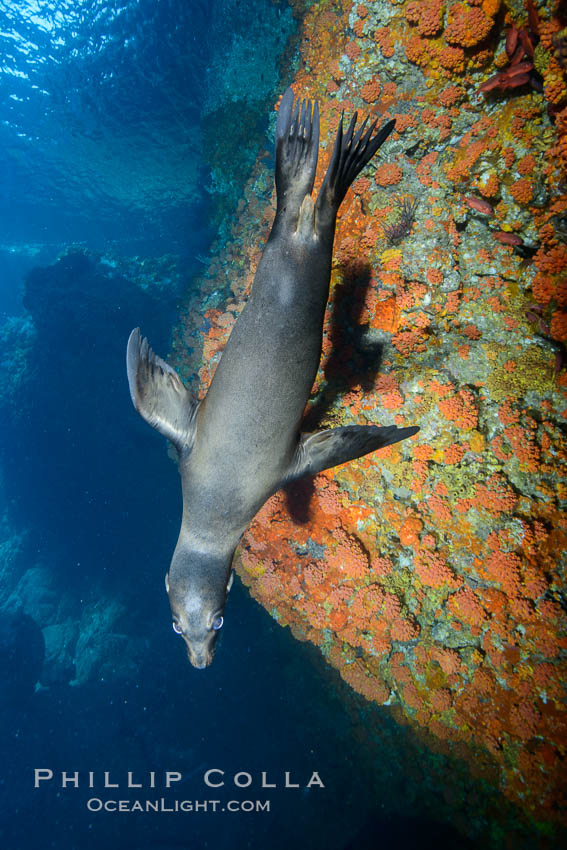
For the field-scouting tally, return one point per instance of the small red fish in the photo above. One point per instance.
(514, 82)
(492, 83)
(518, 55)
(512, 77)
(479, 205)
(508, 238)
(526, 42)
(511, 40)
(520, 68)
(533, 17)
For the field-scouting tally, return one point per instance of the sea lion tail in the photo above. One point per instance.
(297, 146)
(159, 395)
(350, 154)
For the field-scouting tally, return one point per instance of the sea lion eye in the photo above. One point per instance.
(217, 623)
(177, 628)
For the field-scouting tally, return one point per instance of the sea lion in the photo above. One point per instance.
(243, 441)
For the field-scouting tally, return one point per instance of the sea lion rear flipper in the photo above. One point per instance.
(328, 448)
(297, 147)
(349, 157)
(159, 395)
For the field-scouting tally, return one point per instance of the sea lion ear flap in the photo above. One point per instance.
(325, 449)
(167, 582)
(159, 395)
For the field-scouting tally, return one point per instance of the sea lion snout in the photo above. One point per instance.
(201, 658)
(200, 638)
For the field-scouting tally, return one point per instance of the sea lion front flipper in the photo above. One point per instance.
(324, 449)
(159, 395)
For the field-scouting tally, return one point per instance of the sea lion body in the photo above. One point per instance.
(273, 353)
(242, 442)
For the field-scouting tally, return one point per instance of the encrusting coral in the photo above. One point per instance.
(431, 574)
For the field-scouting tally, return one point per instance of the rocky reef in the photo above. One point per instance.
(432, 574)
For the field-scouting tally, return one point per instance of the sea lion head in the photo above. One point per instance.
(197, 586)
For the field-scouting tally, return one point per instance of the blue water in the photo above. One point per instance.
(112, 190)
(102, 108)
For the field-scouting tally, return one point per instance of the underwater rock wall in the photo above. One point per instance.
(431, 574)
